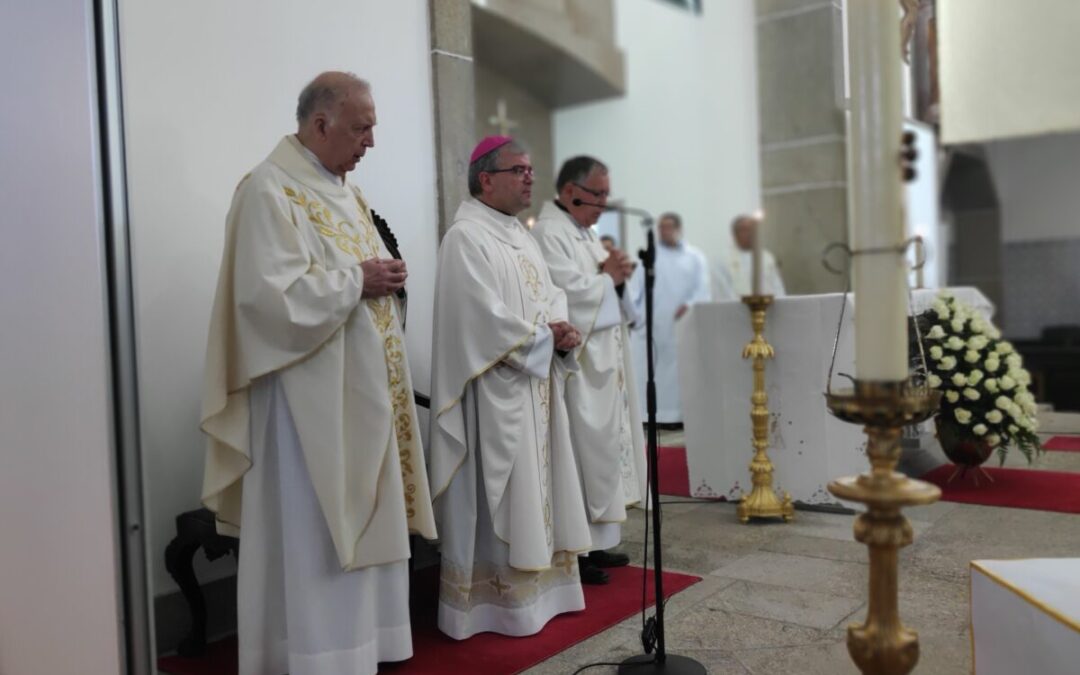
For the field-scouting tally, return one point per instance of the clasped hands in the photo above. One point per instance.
(566, 336)
(383, 276)
(618, 266)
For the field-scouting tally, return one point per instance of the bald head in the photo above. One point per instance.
(743, 230)
(327, 93)
(336, 117)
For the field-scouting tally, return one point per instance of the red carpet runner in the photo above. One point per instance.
(1063, 443)
(1017, 488)
(674, 473)
(485, 653)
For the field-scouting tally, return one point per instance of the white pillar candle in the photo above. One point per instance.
(755, 266)
(875, 190)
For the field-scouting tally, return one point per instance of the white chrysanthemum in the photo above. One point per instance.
(991, 385)
(1007, 383)
(1013, 361)
(993, 440)
(1004, 347)
(957, 324)
(934, 381)
(978, 342)
(1017, 414)
(936, 352)
(959, 379)
(952, 396)
(992, 365)
(980, 429)
(954, 343)
(1022, 377)
(975, 377)
(994, 417)
(971, 394)
(979, 325)
(947, 363)
(993, 332)
(1003, 402)
(962, 416)
(1013, 429)
(941, 309)
(971, 356)
(1029, 408)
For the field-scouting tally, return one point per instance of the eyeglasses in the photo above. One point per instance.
(599, 194)
(518, 170)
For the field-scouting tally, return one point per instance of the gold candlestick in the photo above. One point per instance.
(882, 645)
(762, 501)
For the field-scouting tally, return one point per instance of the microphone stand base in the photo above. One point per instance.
(673, 665)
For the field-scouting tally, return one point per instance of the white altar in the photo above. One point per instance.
(808, 446)
(1025, 616)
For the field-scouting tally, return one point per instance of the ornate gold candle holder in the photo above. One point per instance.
(882, 645)
(762, 501)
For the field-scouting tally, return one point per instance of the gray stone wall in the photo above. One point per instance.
(803, 162)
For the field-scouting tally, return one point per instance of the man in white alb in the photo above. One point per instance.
(314, 454)
(605, 423)
(682, 279)
(507, 493)
(733, 275)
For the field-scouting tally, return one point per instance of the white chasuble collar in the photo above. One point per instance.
(504, 227)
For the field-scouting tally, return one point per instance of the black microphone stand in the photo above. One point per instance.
(661, 662)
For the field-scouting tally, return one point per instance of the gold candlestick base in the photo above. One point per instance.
(762, 501)
(883, 645)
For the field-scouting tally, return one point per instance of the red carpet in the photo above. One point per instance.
(1063, 443)
(673, 473)
(486, 653)
(1016, 488)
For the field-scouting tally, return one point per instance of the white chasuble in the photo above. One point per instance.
(605, 421)
(507, 492)
(288, 302)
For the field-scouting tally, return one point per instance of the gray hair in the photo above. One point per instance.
(673, 216)
(490, 162)
(577, 170)
(325, 92)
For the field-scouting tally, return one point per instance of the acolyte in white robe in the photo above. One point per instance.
(507, 492)
(733, 275)
(308, 401)
(605, 424)
(682, 278)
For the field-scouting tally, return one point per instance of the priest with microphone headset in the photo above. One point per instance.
(604, 415)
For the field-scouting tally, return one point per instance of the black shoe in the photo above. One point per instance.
(608, 559)
(591, 574)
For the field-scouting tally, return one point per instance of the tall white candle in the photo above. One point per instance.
(755, 267)
(875, 189)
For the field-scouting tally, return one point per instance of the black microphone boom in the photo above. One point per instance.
(646, 217)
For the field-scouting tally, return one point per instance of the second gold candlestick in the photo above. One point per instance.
(762, 501)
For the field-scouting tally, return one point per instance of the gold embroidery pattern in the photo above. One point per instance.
(486, 583)
(532, 277)
(363, 244)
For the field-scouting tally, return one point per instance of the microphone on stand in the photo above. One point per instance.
(660, 663)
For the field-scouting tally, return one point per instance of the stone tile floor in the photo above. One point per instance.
(777, 598)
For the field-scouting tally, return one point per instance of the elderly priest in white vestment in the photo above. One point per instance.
(507, 494)
(682, 280)
(733, 276)
(605, 423)
(314, 454)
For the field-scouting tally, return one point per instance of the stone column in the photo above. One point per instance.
(803, 166)
(454, 96)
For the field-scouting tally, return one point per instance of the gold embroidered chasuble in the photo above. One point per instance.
(605, 422)
(493, 295)
(289, 302)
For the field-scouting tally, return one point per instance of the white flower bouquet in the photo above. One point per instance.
(986, 403)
